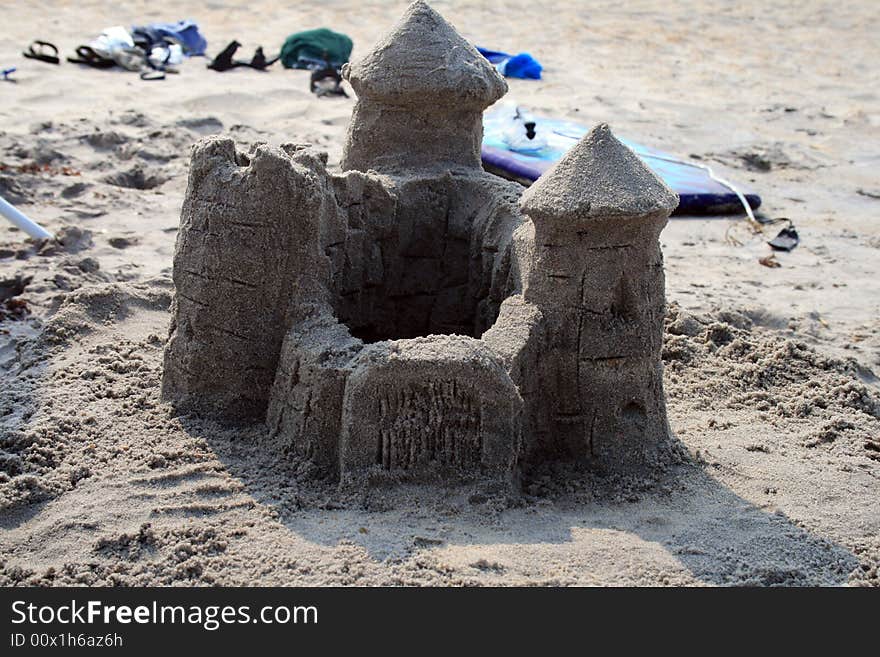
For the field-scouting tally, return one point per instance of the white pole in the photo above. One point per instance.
(17, 218)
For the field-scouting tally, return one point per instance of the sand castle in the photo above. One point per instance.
(414, 314)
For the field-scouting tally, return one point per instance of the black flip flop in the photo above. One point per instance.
(89, 57)
(37, 50)
(224, 61)
(260, 62)
(786, 240)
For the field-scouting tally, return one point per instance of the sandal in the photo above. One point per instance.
(786, 240)
(37, 50)
(89, 57)
(260, 62)
(223, 61)
(153, 74)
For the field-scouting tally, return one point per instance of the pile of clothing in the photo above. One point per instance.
(151, 50)
(316, 49)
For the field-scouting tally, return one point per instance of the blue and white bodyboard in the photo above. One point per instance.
(698, 191)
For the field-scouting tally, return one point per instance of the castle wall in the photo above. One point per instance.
(408, 257)
(430, 407)
(305, 408)
(422, 254)
(248, 236)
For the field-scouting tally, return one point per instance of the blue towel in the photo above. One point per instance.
(494, 56)
(522, 65)
(185, 32)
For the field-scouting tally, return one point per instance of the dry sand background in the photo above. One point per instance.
(769, 371)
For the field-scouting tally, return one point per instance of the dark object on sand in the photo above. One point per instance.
(260, 62)
(90, 57)
(43, 51)
(12, 287)
(224, 61)
(184, 32)
(327, 82)
(14, 309)
(10, 306)
(786, 240)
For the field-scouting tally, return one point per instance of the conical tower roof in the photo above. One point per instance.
(423, 59)
(598, 178)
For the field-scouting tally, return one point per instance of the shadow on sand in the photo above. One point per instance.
(689, 517)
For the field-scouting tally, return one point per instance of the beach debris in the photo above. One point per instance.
(786, 240)
(11, 305)
(151, 51)
(18, 219)
(185, 34)
(224, 60)
(37, 168)
(327, 81)
(14, 309)
(523, 134)
(12, 287)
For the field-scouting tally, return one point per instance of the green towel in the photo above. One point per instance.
(312, 48)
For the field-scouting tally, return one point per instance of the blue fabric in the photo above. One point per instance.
(186, 32)
(493, 56)
(522, 65)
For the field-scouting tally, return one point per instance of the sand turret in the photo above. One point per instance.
(597, 278)
(247, 250)
(421, 94)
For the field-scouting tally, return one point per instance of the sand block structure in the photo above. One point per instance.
(414, 315)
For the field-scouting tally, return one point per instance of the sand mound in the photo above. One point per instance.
(43, 426)
(719, 360)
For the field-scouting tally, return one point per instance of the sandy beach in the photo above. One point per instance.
(770, 372)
